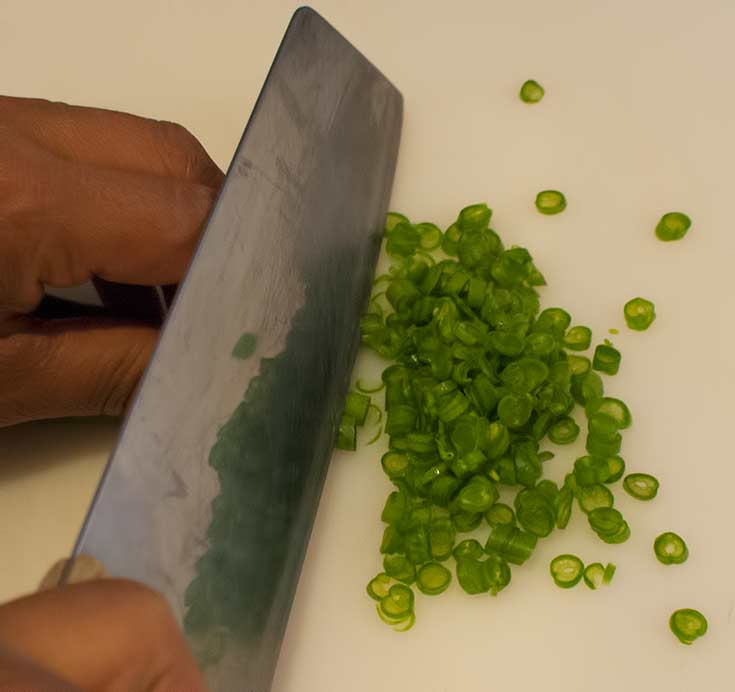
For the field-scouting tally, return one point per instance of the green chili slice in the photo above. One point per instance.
(395, 464)
(398, 603)
(356, 407)
(564, 431)
(430, 236)
(468, 548)
(347, 434)
(688, 625)
(610, 570)
(531, 91)
(578, 365)
(670, 549)
(566, 570)
(615, 467)
(606, 359)
(472, 576)
(378, 586)
(550, 202)
(578, 338)
(673, 226)
(639, 314)
(641, 486)
(593, 575)
(400, 568)
(393, 218)
(500, 513)
(591, 497)
(433, 578)
(605, 521)
(612, 408)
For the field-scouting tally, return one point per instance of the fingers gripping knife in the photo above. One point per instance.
(211, 492)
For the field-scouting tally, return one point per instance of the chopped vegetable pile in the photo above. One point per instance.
(479, 379)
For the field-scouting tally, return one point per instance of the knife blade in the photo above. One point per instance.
(212, 490)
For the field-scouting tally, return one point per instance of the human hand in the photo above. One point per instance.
(88, 193)
(107, 635)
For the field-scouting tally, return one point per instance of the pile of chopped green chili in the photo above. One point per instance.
(479, 378)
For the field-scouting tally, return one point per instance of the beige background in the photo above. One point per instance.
(638, 120)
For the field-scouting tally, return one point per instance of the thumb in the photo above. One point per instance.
(73, 367)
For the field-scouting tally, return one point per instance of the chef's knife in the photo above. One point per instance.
(212, 490)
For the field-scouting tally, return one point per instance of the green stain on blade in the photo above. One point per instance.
(245, 346)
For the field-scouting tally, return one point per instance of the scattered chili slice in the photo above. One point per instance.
(641, 486)
(687, 625)
(566, 570)
(673, 226)
(531, 91)
(670, 549)
(610, 570)
(578, 338)
(639, 314)
(433, 578)
(378, 586)
(593, 575)
(606, 359)
(550, 202)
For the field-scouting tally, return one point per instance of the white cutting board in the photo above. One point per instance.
(638, 120)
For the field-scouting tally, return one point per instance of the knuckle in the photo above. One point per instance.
(184, 153)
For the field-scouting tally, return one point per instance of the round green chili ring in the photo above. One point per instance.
(612, 408)
(620, 536)
(500, 513)
(564, 431)
(398, 603)
(578, 365)
(392, 219)
(593, 575)
(531, 91)
(639, 314)
(615, 467)
(687, 625)
(430, 236)
(670, 549)
(433, 578)
(578, 338)
(405, 624)
(395, 464)
(673, 226)
(610, 570)
(550, 202)
(606, 359)
(605, 521)
(400, 568)
(468, 548)
(566, 570)
(378, 586)
(365, 388)
(641, 486)
(591, 497)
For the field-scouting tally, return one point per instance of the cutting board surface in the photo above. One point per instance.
(637, 121)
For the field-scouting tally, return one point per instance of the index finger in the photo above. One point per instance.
(111, 139)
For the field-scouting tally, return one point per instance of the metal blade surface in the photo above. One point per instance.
(211, 493)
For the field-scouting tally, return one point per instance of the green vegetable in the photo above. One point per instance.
(531, 91)
(347, 434)
(378, 586)
(566, 570)
(687, 625)
(615, 467)
(468, 548)
(398, 603)
(564, 507)
(639, 314)
(564, 431)
(673, 226)
(606, 359)
(400, 568)
(670, 549)
(433, 578)
(609, 525)
(578, 338)
(472, 576)
(591, 497)
(593, 575)
(550, 202)
(641, 486)
(612, 408)
(610, 570)
(500, 513)
(356, 407)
